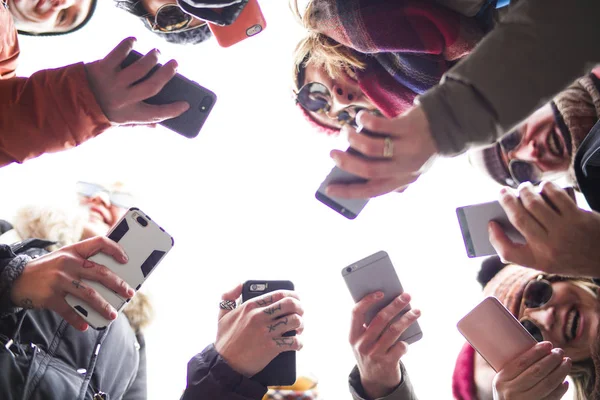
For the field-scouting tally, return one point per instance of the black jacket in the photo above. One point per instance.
(119, 369)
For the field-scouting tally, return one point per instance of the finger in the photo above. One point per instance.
(158, 113)
(551, 380)
(398, 350)
(140, 68)
(559, 392)
(119, 53)
(155, 83)
(67, 313)
(288, 323)
(106, 277)
(380, 125)
(517, 366)
(371, 188)
(95, 245)
(559, 198)
(359, 311)
(286, 343)
(89, 295)
(508, 250)
(281, 308)
(365, 168)
(535, 204)
(384, 317)
(232, 295)
(393, 332)
(521, 219)
(269, 304)
(370, 146)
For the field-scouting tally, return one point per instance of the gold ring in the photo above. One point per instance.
(388, 148)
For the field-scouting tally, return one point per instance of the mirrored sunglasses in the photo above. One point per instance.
(520, 170)
(119, 199)
(170, 18)
(536, 295)
(315, 97)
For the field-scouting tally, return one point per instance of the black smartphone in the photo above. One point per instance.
(282, 370)
(179, 88)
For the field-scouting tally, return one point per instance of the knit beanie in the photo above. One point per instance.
(508, 286)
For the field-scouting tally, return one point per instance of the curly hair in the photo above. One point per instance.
(193, 36)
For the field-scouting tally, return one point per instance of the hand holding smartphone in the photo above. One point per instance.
(179, 88)
(145, 244)
(376, 273)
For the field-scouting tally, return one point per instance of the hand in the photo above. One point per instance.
(561, 238)
(46, 281)
(375, 347)
(413, 148)
(120, 96)
(538, 374)
(250, 336)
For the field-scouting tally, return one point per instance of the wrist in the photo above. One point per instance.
(377, 387)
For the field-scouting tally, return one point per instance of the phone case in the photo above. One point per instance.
(250, 22)
(495, 333)
(377, 273)
(473, 221)
(282, 370)
(145, 246)
(180, 88)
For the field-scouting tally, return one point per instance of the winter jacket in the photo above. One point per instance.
(404, 391)
(119, 368)
(536, 49)
(52, 110)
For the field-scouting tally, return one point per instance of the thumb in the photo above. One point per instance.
(508, 250)
(231, 295)
(157, 113)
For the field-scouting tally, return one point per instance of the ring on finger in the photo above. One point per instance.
(227, 305)
(388, 147)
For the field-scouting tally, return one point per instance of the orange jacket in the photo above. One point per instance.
(50, 111)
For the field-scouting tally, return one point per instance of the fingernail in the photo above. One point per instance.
(125, 258)
(336, 158)
(404, 297)
(130, 292)
(545, 345)
(378, 295)
(113, 314)
(503, 191)
(157, 51)
(558, 351)
(416, 313)
(567, 361)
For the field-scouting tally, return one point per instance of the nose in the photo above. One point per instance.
(342, 97)
(100, 198)
(543, 317)
(528, 151)
(60, 4)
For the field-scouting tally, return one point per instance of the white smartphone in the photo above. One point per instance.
(376, 273)
(145, 244)
(495, 333)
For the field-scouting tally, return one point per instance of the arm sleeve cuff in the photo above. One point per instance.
(404, 391)
(11, 271)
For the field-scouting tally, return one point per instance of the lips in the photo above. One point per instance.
(104, 215)
(555, 144)
(573, 325)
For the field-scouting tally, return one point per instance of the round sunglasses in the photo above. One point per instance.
(119, 199)
(536, 295)
(170, 18)
(315, 97)
(520, 170)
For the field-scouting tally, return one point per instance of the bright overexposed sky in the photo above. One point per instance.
(239, 201)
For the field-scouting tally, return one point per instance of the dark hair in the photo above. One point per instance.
(193, 36)
(489, 268)
(93, 5)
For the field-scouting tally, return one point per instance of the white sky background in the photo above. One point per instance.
(239, 201)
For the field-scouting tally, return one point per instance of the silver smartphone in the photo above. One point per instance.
(376, 273)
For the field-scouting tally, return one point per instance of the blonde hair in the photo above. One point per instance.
(320, 51)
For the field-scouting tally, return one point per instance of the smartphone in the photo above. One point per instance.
(474, 219)
(145, 244)
(376, 273)
(282, 370)
(495, 333)
(249, 22)
(179, 88)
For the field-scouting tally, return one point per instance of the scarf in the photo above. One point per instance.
(408, 44)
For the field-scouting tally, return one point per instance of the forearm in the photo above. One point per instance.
(210, 377)
(537, 49)
(404, 391)
(50, 111)
(11, 268)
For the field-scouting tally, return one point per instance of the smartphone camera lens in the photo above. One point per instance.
(206, 103)
(142, 221)
(253, 287)
(349, 269)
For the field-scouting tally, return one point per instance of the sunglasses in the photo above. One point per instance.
(170, 18)
(520, 170)
(537, 294)
(89, 190)
(315, 97)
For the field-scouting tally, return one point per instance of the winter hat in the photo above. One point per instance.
(508, 286)
(463, 377)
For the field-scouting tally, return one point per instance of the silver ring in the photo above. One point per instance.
(227, 305)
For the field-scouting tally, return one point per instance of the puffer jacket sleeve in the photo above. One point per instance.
(50, 111)
(11, 267)
(536, 50)
(404, 391)
(210, 377)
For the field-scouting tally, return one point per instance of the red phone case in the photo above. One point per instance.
(250, 22)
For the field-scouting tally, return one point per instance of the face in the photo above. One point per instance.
(569, 320)
(152, 7)
(102, 214)
(543, 143)
(344, 92)
(45, 16)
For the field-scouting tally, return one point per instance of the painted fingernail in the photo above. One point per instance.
(378, 295)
